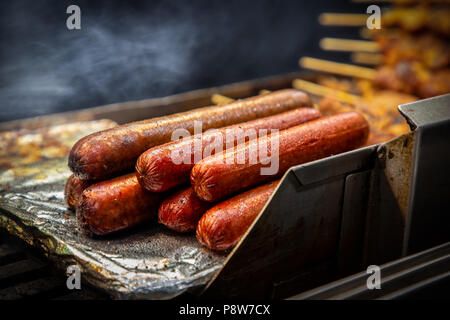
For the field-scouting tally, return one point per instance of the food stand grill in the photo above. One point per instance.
(327, 219)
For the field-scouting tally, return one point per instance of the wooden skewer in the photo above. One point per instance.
(373, 59)
(342, 69)
(343, 19)
(220, 99)
(337, 44)
(322, 91)
(366, 33)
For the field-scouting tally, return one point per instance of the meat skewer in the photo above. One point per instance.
(409, 19)
(408, 77)
(431, 51)
(379, 107)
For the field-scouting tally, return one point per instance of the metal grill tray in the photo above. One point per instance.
(151, 261)
(146, 262)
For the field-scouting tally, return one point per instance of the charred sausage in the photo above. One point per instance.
(222, 226)
(109, 152)
(181, 211)
(223, 174)
(73, 189)
(158, 171)
(116, 204)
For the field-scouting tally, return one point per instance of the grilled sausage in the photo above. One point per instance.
(181, 211)
(218, 176)
(109, 152)
(222, 226)
(116, 204)
(73, 189)
(157, 171)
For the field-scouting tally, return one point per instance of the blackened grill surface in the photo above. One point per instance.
(146, 262)
(25, 274)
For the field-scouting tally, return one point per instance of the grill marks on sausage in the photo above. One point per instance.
(157, 171)
(73, 190)
(116, 204)
(182, 211)
(307, 142)
(222, 226)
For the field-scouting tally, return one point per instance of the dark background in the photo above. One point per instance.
(128, 50)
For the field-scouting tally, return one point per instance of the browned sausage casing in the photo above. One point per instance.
(181, 211)
(109, 152)
(222, 226)
(218, 176)
(116, 204)
(156, 170)
(74, 188)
